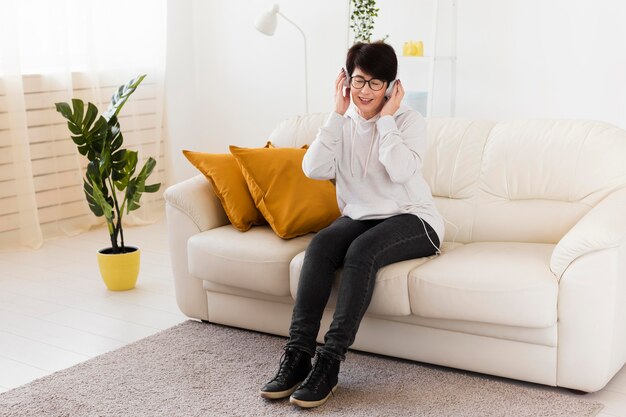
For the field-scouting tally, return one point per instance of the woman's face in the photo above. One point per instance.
(368, 101)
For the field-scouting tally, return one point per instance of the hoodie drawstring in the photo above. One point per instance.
(369, 154)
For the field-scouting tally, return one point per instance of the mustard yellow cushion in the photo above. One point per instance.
(229, 185)
(292, 203)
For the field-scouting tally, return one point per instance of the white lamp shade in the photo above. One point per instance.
(266, 23)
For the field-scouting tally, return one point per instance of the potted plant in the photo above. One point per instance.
(362, 20)
(111, 171)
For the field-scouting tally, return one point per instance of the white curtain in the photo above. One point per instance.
(53, 51)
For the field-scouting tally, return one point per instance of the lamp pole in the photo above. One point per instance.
(266, 24)
(306, 76)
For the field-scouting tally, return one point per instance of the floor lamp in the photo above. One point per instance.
(267, 24)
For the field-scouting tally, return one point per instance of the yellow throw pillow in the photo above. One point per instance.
(229, 185)
(292, 203)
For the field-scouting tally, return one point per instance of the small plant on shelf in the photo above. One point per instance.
(362, 20)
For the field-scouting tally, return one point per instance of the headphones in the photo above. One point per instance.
(388, 91)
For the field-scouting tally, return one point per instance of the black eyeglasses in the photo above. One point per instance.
(359, 82)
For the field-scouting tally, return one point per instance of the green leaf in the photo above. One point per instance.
(122, 94)
(105, 165)
(119, 165)
(153, 188)
(114, 135)
(78, 106)
(64, 109)
(93, 206)
(101, 202)
(128, 166)
(131, 192)
(137, 186)
(86, 134)
(96, 193)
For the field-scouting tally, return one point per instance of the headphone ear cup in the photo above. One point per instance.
(346, 82)
(390, 89)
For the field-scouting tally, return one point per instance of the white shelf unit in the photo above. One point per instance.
(432, 59)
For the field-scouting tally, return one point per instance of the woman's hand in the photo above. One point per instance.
(393, 103)
(341, 101)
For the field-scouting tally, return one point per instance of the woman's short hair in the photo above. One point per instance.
(377, 59)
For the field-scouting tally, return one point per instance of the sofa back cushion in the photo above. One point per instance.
(297, 131)
(452, 169)
(539, 177)
(513, 180)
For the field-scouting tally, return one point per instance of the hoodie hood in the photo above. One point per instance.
(353, 113)
(355, 121)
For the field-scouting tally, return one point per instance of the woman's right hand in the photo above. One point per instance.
(341, 101)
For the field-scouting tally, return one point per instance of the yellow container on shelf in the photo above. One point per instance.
(412, 48)
(419, 48)
(406, 49)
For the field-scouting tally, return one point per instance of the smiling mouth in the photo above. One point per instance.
(366, 100)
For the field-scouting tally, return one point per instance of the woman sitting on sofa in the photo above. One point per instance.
(374, 150)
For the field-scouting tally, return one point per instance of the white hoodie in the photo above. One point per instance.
(377, 165)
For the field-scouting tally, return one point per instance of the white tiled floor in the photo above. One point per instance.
(56, 312)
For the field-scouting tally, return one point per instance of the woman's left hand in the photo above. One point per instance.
(393, 103)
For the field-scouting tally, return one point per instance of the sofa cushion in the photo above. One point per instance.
(229, 185)
(256, 260)
(390, 297)
(492, 282)
(292, 203)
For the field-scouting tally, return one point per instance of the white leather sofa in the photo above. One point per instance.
(531, 284)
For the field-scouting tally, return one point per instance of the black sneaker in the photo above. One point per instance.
(294, 367)
(319, 384)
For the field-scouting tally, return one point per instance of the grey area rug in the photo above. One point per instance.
(200, 369)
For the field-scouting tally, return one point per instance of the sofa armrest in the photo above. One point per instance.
(592, 319)
(191, 207)
(603, 227)
(195, 198)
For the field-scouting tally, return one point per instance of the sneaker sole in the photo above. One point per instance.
(311, 404)
(277, 395)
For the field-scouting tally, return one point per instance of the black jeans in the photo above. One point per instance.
(362, 247)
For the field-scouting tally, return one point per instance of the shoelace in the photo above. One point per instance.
(318, 373)
(288, 361)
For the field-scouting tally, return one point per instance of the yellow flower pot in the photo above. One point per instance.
(120, 270)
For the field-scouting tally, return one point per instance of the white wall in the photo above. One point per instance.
(181, 107)
(544, 59)
(241, 82)
(229, 84)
